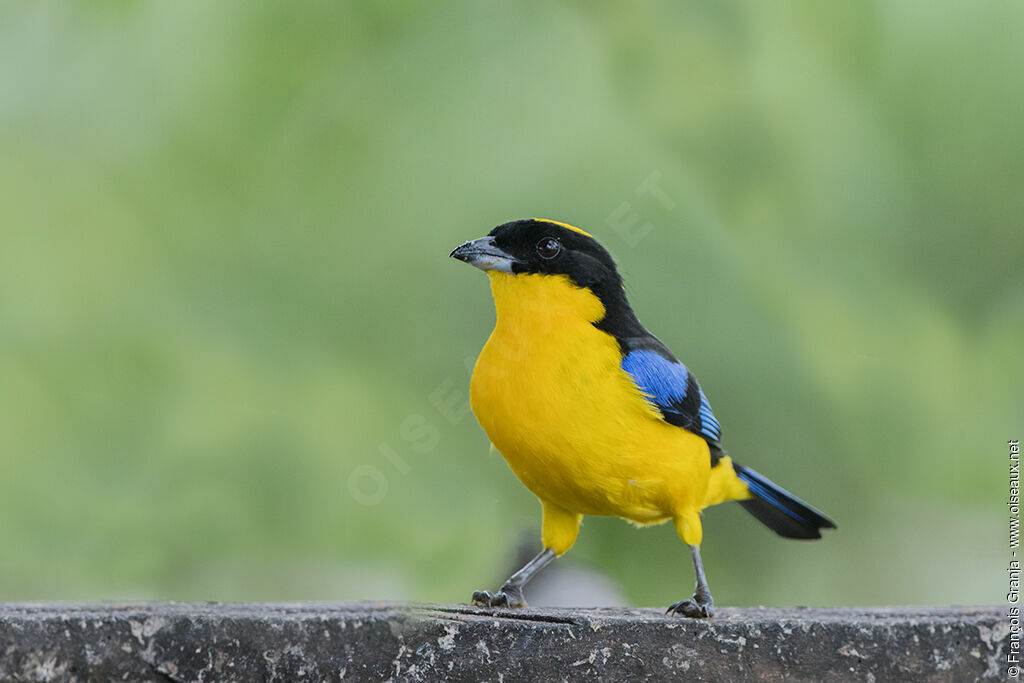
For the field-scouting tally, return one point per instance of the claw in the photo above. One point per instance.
(511, 592)
(695, 608)
(489, 599)
(498, 599)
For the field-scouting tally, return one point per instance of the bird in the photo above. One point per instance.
(594, 414)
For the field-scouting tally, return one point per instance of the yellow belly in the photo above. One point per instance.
(549, 390)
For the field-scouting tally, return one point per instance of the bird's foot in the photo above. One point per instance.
(700, 606)
(508, 596)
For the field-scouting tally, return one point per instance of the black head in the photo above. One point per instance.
(543, 247)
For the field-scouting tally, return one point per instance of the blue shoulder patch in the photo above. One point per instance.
(674, 391)
(658, 377)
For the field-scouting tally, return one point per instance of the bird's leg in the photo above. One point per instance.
(511, 592)
(701, 604)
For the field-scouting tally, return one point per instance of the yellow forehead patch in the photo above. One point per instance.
(564, 225)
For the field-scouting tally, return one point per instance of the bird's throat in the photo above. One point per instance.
(539, 302)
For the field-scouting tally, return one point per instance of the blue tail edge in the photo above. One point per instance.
(780, 510)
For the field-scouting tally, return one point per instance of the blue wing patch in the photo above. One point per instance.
(674, 391)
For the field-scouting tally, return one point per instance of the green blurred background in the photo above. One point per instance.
(233, 349)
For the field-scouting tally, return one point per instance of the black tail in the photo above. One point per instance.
(780, 510)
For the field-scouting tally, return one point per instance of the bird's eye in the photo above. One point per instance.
(548, 248)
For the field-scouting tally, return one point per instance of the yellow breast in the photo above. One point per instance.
(549, 390)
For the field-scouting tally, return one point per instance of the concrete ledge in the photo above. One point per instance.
(378, 641)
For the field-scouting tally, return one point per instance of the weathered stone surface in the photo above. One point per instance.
(379, 641)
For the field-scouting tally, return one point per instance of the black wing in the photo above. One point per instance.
(674, 391)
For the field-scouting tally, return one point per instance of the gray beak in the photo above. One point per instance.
(484, 255)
